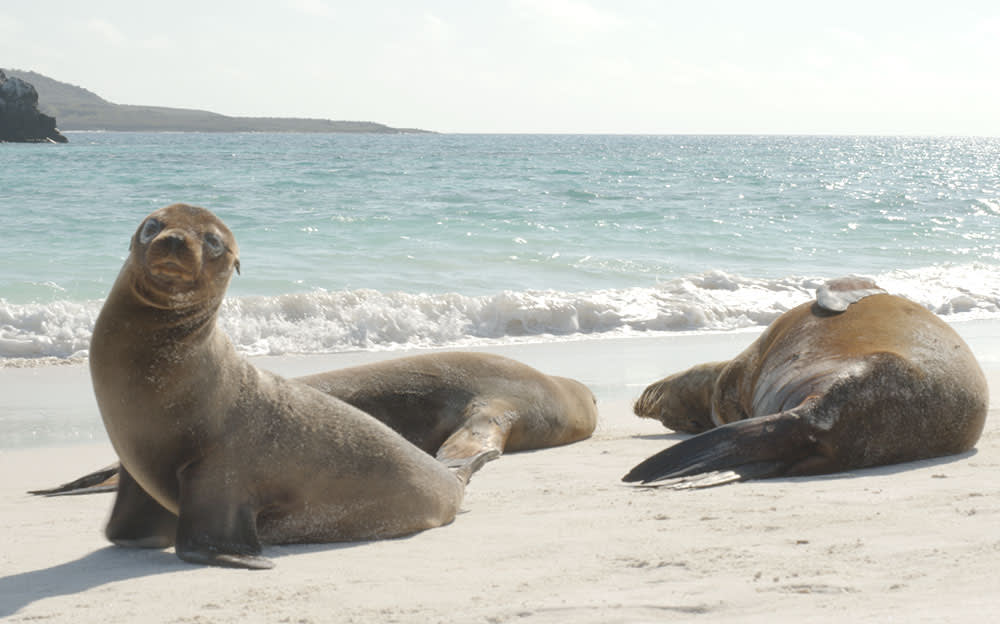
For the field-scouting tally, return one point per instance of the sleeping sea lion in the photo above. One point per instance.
(454, 405)
(854, 379)
(218, 457)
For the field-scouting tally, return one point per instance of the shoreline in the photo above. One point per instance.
(543, 536)
(616, 368)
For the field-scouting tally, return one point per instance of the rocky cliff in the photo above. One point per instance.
(20, 119)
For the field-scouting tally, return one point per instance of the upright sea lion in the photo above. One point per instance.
(857, 378)
(218, 457)
(454, 405)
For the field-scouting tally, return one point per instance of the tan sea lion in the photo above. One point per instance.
(857, 378)
(219, 457)
(454, 405)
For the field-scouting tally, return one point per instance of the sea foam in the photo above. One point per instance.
(329, 322)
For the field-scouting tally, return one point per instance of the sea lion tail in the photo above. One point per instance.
(759, 448)
(103, 480)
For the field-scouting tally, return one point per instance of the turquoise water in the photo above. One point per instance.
(388, 241)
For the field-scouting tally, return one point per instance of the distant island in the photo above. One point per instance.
(76, 108)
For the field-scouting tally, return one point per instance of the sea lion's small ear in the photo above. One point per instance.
(837, 295)
(236, 265)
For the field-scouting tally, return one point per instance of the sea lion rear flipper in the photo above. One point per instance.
(768, 446)
(486, 429)
(103, 480)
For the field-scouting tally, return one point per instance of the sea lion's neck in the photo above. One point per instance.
(158, 325)
(190, 325)
(150, 335)
(167, 317)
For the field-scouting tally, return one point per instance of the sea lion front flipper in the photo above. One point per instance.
(486, 429)
(758, 448)
(214, 530)
(137, 520)
(103, 480)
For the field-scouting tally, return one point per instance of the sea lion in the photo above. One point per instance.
(218, 457)
(454, 405)
(854, 379)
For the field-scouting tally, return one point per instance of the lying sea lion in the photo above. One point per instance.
(218, 457)
(854, 379)
(454, 405)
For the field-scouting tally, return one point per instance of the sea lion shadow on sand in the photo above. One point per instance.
(100, 567)
(666, 436)
(892, 469)
(112, 564)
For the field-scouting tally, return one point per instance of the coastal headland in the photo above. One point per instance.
(78, 109)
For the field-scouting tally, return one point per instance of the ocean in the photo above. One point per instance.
(389, 242)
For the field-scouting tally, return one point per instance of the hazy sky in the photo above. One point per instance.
(621, 66)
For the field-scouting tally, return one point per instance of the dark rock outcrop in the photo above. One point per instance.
(20, 119)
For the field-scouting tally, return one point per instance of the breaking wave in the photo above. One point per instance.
(328, 322)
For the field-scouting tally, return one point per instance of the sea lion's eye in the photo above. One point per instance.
(214, 245)
(149, 230)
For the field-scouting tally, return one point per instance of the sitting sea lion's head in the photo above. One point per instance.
(181, 256)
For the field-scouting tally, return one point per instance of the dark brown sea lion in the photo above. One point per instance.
(454, 405)
(857, 378)
(219, 457)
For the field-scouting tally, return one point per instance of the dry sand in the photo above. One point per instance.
(546, 536)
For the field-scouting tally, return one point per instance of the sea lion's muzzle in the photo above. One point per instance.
(172, 255)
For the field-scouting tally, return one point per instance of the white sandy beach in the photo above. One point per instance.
(546, 536)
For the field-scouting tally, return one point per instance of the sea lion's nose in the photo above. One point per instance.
(173, 242)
